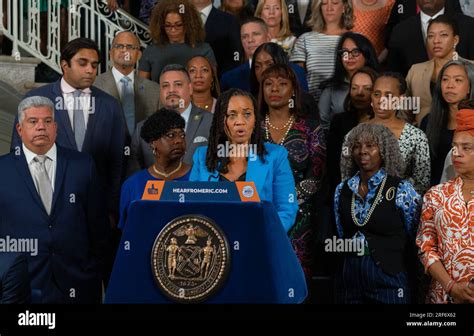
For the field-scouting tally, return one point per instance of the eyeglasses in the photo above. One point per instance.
(125, 46)
(346, 52)
(176, 26)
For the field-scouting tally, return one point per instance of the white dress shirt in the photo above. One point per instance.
(186, 113)
(68, 103)
(302, 8)
(118, 76)
(425, 20)
(205, 13)
(49, 164)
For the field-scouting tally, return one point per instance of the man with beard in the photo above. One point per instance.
(175, 93)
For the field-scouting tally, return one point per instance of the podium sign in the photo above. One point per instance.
(202, 251)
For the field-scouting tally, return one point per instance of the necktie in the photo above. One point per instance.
(79, 123)
(128, 103)
(43, 183)
(203, 18)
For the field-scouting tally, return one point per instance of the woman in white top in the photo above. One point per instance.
(316, 50)
(275, 15)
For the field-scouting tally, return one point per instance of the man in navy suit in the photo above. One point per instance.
(222, 34)
(253, 33)
(104, 133)
(53, 195)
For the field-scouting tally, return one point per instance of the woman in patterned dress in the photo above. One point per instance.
(389, 87)
(446, 234)
(284, 124)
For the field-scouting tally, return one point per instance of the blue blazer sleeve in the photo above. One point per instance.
(284, 192)
(199, 164)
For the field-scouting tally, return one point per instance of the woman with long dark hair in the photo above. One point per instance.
(236, 125)
(454, 84)
(353, 52)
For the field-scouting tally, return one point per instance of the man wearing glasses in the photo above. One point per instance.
(139, 96)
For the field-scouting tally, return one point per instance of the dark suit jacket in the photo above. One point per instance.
(104, 139)
(197, 134)
(147, 94)
(296, 27)
(240, 77)
(403, 9)
(14, 278)
(406, 46)
(72, 239)
(223, 35)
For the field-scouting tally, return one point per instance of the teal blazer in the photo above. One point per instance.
(273, 179)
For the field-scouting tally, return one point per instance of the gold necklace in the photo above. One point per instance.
(164, 174)
(372, 208)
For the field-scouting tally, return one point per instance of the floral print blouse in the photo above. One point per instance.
(446, 234)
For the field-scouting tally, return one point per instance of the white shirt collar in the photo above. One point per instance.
(118, 76)
(206, 11)
(66, 88)
(186, 113)
(29, 155)
(425, 18)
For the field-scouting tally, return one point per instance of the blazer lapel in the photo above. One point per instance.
(426, 77)
(61, 164)
(62, 115)
(24, 171)
(257, 172)
(194, 121)
(92, 121)
(111, 85)
(139, 90)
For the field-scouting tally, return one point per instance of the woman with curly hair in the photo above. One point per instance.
(178, 35)
(285, 125)
(237, 152)
(377, 213)
(164, 131)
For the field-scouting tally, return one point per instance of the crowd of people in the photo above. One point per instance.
(355, 111)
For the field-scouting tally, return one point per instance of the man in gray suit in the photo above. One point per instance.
(175, 93)
(139, 96)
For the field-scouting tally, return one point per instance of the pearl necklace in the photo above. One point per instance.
(288, 126)
(164, 174)
(290, 120)
(372, 208)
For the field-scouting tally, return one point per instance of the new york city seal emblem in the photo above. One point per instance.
(190, 259)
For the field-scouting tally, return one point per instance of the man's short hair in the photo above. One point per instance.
(175, 67)
(34, 101)
(255, 20)
(72, 48)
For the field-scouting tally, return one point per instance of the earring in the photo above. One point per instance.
(154, 150)
(455, 54)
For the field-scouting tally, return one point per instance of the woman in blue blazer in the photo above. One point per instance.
(237, 152)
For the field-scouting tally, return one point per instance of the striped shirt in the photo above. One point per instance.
(318, 52)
